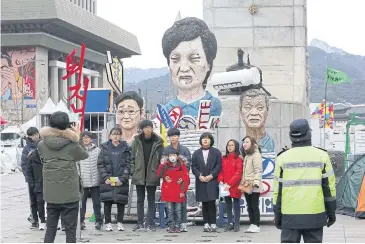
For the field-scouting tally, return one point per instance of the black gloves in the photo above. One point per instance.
(331, 219)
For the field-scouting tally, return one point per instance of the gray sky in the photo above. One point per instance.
(333, 21)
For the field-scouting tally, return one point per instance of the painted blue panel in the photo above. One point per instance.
(97, 101)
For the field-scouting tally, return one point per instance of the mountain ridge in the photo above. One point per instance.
(320, 54)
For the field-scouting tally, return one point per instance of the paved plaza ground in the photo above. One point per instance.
(15, 227)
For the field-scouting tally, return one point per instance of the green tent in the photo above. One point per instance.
(349, 188)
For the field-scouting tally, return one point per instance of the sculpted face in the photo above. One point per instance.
(188, 64)
(128, 114)
(254, 111)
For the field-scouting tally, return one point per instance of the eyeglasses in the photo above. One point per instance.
(129, 112)
(115, 134)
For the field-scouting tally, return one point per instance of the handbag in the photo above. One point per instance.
(223, 192)
(246, 187)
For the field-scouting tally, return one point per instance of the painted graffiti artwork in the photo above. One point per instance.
(18, 75)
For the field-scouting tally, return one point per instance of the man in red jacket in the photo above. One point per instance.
(173, 189)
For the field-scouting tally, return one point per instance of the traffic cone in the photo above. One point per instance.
(92, 218)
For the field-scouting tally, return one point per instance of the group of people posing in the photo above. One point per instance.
(63, 166)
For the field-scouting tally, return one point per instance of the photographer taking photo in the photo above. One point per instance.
(59, 151)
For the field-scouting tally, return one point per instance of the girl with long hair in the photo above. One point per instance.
(230, 177)
(252, 173)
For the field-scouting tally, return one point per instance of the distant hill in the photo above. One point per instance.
(156, 81)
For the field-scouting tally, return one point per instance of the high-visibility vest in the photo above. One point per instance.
(304, 187)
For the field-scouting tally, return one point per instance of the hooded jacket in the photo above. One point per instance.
(34, 172)
(60, 151)
(231, 174)
(30, 145)
(170, 191)
(89, 167)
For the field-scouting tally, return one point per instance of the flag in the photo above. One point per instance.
(336, 77)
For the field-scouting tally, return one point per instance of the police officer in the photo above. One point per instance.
(304, 188)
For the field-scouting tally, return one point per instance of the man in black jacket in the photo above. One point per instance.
(31, 143)
(35, 182)
(146, 155)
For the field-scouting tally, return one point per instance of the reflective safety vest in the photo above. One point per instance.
(304, 188)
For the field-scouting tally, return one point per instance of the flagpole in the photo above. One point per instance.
(324, 112)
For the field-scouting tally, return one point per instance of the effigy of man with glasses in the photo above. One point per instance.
(129, 111)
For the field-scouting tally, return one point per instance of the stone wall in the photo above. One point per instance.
(275, 37)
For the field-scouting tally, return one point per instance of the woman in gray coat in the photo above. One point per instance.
(90, 179)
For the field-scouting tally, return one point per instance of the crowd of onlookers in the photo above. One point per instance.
(63, 167)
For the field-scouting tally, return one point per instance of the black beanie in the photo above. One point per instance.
(145, 123)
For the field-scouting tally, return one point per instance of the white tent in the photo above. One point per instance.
(48, 108)
(31, 123)
(61, 106)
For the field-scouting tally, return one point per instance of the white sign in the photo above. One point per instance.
(265, 204)
(359, 142)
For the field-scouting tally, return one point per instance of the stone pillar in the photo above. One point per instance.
(95, 7)
(64, 86)
(54, 84)
(90, 79)
(94, 82)
(84, 4)
(72, 82)
(92, 6)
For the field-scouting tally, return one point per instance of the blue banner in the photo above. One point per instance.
(164, 116)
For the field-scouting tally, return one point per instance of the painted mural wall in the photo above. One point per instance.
(18, 81)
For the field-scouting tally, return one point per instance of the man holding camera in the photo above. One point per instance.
(59, 151)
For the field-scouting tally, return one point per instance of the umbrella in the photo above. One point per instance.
(2, 121)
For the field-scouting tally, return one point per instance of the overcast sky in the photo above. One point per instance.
(337, 22)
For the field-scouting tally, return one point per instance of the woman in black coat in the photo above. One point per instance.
(206, 165)
(114, 165)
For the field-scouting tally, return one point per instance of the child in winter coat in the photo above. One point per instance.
(230, 177)
(174, 187)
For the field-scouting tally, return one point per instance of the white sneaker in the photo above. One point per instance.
(42, 226)
(120, 227)
(108, 227)
(249, 229)
(254, 229)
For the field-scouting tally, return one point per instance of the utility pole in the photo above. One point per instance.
(146, 101)
(22, 108)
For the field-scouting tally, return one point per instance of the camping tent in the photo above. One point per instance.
(351, 190)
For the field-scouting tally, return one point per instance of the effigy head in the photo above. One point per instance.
(254, 108)
(190, 49)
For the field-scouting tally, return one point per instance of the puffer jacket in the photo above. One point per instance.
(30, 145)
(231, 173)
(89, 167)
(60, 152)
(118, 194)
(253, 169)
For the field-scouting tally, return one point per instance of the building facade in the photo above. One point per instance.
(36, 38)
